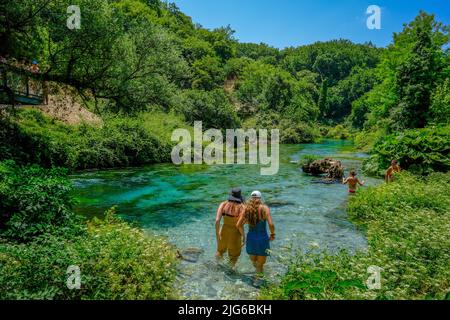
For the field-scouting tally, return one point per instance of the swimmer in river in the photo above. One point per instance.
(394, 168)
(352, 182)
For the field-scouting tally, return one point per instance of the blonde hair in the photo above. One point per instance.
(252, 211)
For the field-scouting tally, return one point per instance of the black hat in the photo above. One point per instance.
(235, 195)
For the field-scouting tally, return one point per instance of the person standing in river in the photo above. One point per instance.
(228, 236)
(352, 182)
(257, 216)
(394, 168)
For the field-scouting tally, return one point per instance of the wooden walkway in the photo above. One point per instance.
(19, 86)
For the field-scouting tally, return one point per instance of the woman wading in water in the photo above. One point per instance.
(228, 237)
(257, 216)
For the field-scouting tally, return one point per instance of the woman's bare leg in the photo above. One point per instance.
(254, 259)
(260, 261)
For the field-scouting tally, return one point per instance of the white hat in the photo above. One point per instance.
(256, 194)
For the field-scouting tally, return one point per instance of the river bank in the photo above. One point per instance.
(407, 224)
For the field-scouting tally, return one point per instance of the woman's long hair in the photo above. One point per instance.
(252, 211)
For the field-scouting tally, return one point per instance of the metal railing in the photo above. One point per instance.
(25, 88)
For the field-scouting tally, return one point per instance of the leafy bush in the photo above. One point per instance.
(208, 73)
(419, 150)
(312, 276)
(121, 141)
(292, 132)
(307, 159)
(115, 260)
(407, 224)
(212, 108)
(365, 140)
(440, 105)
(338, 132)
(33, 201)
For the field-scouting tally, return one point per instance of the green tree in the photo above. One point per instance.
(440, 106)
(208, 73)
(212, 108)
(418, 73)
(322, 104)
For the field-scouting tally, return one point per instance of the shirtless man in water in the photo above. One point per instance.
(389, 176)
(352, 182)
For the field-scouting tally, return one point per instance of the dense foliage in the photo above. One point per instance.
(33, 200)
(419, 150)
(407, 224)
(405, 113)
(116, 261)
(145, 68)
(119, 142)
(132, 55)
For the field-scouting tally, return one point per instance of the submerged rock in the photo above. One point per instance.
(332, 169)
(189, 254)
(280, 203)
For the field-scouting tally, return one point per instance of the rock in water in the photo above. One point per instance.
(332, 169)
(189, 254)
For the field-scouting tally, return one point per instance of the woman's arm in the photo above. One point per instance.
(361, 183)
(387, 174)
(240, 225)
(218, 218)
(344, 180)
(271, 225)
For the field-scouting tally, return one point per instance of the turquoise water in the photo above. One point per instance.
(180, 202)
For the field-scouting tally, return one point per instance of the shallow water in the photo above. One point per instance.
(180, 202)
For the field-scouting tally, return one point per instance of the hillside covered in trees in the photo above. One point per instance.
(144, 68)
(133, 56)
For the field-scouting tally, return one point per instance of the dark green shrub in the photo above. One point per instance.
(120, 142)
(418, 150)
(307, 159)
(33, 201)
(212, 108)
(115, 261)
(292, 132)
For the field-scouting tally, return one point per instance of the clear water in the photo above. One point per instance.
(180, 202)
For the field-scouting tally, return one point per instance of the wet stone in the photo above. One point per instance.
(189, 254)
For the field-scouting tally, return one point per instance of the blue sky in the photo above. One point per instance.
(284, 23)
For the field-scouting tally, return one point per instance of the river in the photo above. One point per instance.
(180, 202)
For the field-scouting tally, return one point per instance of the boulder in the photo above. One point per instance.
(189, 254)
(331, 169)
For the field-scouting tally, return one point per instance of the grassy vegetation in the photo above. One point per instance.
(407, 224)
(337, 132)
(121, 141)
(41, 237)
(307, 159)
